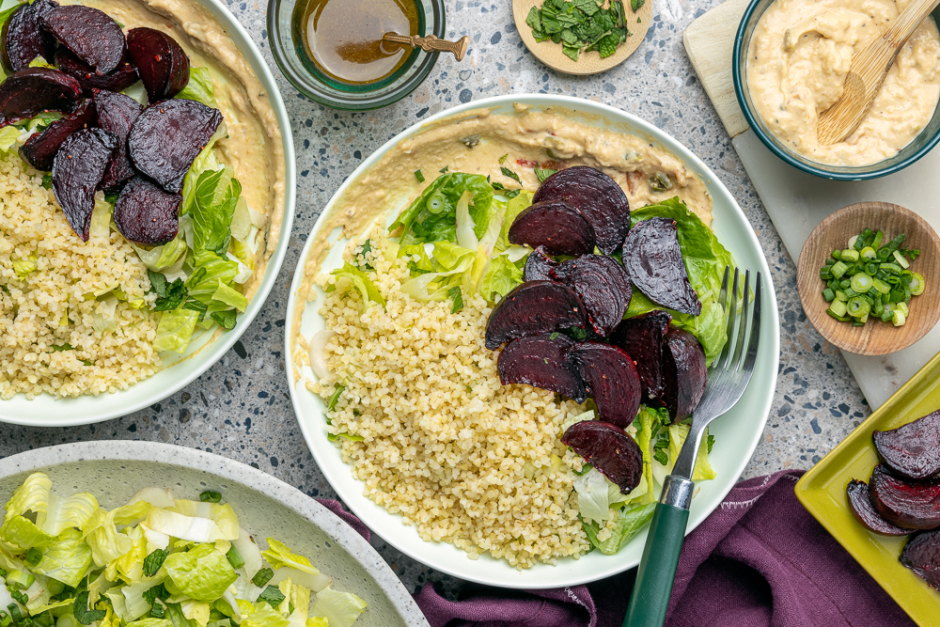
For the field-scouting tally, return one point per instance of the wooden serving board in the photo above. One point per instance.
(797, 202)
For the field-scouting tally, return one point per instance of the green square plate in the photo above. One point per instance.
(822, 493)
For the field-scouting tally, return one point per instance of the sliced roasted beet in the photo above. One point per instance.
(909, 505)
(608, 448)
(597, 197)
(684, 373)
(40, 150)
(922, 555)
(559, 228)
(531, 309)
(167, 137)
(34, 90)
(644, 337)
(90, 33)
(913, 450)
(22, 39)
(117, 114)
(860, 502)
(538, 266)
(76, 172)
(118, 80)
(540, 361)
(161, 62)
(146, 214)
(653, 259)
(611, 379)
(602, 285)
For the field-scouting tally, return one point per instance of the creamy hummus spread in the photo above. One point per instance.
(798, 58)
(481, 142)
(253, 147)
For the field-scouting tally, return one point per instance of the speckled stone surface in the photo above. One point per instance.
(240, 408)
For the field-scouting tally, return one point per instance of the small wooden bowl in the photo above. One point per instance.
(876, 337)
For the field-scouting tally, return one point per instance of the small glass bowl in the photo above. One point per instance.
(317, 86)
(921, 145)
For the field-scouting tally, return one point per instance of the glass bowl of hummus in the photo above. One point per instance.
(790, 61)
(332, 51)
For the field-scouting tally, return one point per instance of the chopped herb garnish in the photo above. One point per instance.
(659, 448)
(636, 5)
(419, 176)
(272, 596)
(262, 577)
(211, 496)
(444, 170)
(235, 558)
(82, 614)
(543, 174)
(47, 181)
(225, 319)
(154, 561)
(34, 556)
(710, 442)
(508, 193)
(507, 172)
(581, 25)
(88, 362)
(456, 297)
(554, 335)
(331, 405)
(157, 592)
(62, 347)
(502, 159)
(111, 197)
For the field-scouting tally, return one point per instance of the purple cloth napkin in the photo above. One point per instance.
(759, 560)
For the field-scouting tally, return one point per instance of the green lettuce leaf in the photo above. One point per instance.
(53, 514)
(214, 199)
(341, 609)
(200, 87)
(8, 138)
(66, 559)
(501, 277)
(203, 573)
(265, 616)
(206, 160)
(514, 207)
(223, 516)
(363, 284)
(209, 269)
(279, 555)
(421, 225)
(175, 330)
(159, 258)
(705, 261)
(627, 523)
(226, 298)
(648, 423)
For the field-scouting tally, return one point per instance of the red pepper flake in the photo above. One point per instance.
(157, 58)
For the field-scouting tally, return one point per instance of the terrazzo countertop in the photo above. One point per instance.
(241, 409)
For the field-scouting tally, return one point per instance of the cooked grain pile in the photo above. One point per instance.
(460, 456)
(47, 315)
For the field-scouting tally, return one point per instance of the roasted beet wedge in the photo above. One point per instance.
(538, 266)
(602, 285)
(611, 379)
(860, 502)
(684, 374)
(167, 137)
(911, 451)
(117, 114)
(540, 361)
(118, 80)
(908, 505)
(608, 448)
(76, 172)
(22, 39)
(559, 228)
(40, 150)
(146, 214)
(34, 90)
(533, 308)
(161, 62)
(599, 199)
(653, 259)
(90, 33)
(922, 555)
(644, 337)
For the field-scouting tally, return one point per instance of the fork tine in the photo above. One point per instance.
(739, 350)
(751, 357)
(725, 358)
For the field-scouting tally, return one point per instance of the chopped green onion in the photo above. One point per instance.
(829, 295)
(837, 254)
(838, 307)
(904, 263)
(272, 596)
(891, 268)
(894, 244)
(19, 580)
(419, 176)
(857, 307)
(902, 307)
(840, 295)
(33, 556)
(917, 284)
(868, 253)
(861, 283)
(436, 203)
(852, 241)
(879, 237)
(838, 317)
(850, 254)
(839, 269)
(881, 286)
(235, 558)
(898, 318)
(210, 496)
(262, 577)
(871, 269)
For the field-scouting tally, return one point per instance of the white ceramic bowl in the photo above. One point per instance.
(46, 411)
(114, 470)
(736, 434)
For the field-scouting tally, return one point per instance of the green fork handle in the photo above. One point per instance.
(653, 588)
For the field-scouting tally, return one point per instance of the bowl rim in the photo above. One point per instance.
(227, 340)
(640, 127)
(764, 136)
(192, 459)
(808, 281)
(299, 83)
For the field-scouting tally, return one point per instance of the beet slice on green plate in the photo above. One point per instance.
(608, 448)
(653, 259)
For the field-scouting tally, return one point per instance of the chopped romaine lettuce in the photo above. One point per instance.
(200, 87)
(24, 266)
(203, 573)
(627, 522)
(341, 609)
(363, 284)
(9, 136)
(66, 559)
(513, 208)
(432, 217)
(501, 277)
(214, 199)
(175, 330)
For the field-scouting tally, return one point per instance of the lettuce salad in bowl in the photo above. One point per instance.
(156, 561)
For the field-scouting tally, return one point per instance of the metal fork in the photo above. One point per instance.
(727, 380)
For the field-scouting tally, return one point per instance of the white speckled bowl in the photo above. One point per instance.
(737, 433)
(45, 411)
(114, 470)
